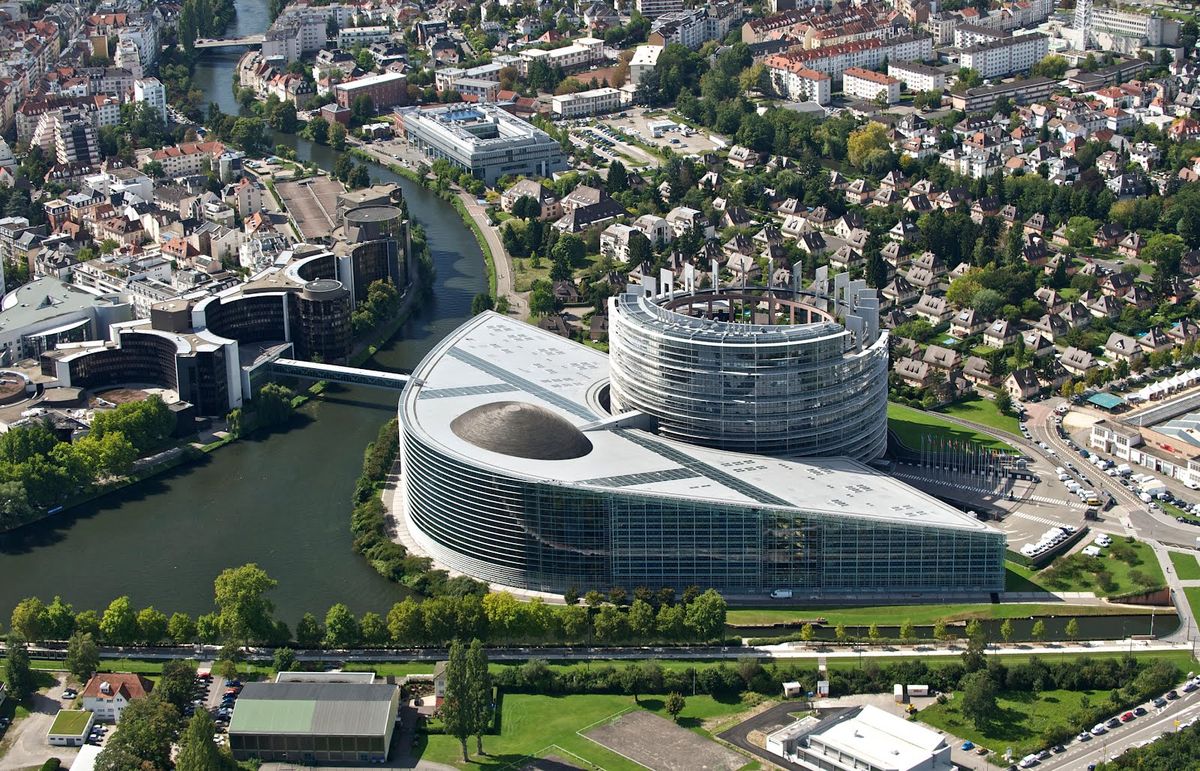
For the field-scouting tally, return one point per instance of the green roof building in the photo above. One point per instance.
(314, 722)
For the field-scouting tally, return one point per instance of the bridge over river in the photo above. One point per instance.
(310, 370)
(229, 42)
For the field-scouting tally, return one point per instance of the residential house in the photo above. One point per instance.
(1076, 361)
(107, 694)
(999, 333)
(1122, 348)
(978, 371)
(966, 323)
(946, 359)
(913, 372)
(932, 308)
(551, 209)
(1022, 384)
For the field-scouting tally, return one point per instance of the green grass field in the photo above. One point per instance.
(1020, 720)
(1018, 578)
(1193, 598)
(909, 424)
(982, 411)
(894, 615)
(1174, 511)
(1187, 566)
(536, 726)
(1144, 561)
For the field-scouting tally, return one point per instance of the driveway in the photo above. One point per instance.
(26, 740)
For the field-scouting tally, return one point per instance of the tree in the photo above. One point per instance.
(197, 750)
(283, 659)
(706, 615)
(1004, 402)
(181, 629)
(119, 625)
(83, 656)
(29, 619)
(908, 631)
(939, 630)
(372, 630)
(18, 674)
(341, 627)
(978, 698)
(479, 692)
(618, 178)
(1073, 629)
(641, 619)
(317, 130)
(308, 631)
(1006, 630)
(244, 611)
(152, 626)
(481, 302)
(675, 704)
(148, 728)
(840, 633)
(1052, 66)
(176, 684)
(1039, 630)
(336, 136)
(541, 300)
(873, 632)
(59, 620)
(807, 633)
(405, 622)
(868, 148)
(456, 705)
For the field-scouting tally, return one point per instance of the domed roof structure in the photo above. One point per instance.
(521, 429)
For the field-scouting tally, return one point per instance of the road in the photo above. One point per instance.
(505, 287)
(1143, 729)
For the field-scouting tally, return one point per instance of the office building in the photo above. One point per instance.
(870, 85)
(581, 52)
(861, 737)
(385, 90)
(314, 722)
(483, 139)
(595, 102)
(1007, 56)
(37, 316)
(652, 9)
(520, 470)
(807, 376)
(1122, 31)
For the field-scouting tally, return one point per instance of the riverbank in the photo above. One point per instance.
(499, 269)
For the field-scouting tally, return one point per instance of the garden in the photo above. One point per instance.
(1126, 567)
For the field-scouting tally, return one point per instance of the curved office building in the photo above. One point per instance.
(514, 472)
(796, 374)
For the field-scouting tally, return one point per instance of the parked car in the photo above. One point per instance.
(1084, 736)
(1127, 717)
(1113, 722)
(1160, 702)
(1172, 695)
(1139, 712)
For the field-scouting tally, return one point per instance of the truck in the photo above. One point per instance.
(781, 594)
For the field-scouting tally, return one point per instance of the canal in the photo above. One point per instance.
(281, 500)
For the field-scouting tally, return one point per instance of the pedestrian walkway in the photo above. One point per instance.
(1035, 518)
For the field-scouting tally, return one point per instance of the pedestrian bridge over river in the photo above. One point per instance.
(229, 42)
(309, 370)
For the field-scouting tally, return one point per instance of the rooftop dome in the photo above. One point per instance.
(521, 429)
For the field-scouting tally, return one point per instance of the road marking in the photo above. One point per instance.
(1035, 518)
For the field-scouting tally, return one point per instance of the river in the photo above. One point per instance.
(281, 500)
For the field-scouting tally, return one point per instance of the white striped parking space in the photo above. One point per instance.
(1035, 518)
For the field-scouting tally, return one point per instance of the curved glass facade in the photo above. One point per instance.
(539, 535)
(789, 390)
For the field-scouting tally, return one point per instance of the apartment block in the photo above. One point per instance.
(866, 84)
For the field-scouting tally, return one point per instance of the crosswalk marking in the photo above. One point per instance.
(1035, 518)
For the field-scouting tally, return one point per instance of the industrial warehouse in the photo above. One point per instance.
(516, 472)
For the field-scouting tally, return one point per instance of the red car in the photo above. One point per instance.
(1126, 717)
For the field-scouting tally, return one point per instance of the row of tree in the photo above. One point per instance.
(39, 471)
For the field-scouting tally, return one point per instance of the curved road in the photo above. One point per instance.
(505, 283)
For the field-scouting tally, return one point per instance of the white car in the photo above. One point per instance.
(1099, 729)
(1092, 551)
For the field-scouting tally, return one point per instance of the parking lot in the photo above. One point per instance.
(609, 144)
(681, 139)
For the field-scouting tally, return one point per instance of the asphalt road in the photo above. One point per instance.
(1080, 755)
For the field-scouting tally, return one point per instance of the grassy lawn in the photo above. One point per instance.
(1078, 573)
(1174, 511)
(535, 726)
(1018, 578)
(894, 615)
(1019, 722)
(909, 424)
(1193, 598)
(983, 411)
(1187, 566)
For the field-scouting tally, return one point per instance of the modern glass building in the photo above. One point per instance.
(515, 472)
(773, 372)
